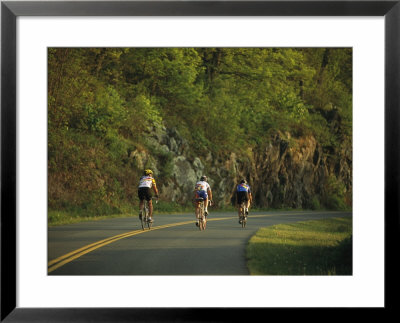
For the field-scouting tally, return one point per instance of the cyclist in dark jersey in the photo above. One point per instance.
(243, 194)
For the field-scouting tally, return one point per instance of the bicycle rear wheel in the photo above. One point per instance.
(145, 216)
(148, 218)
(201, 217)
(245, 213)
(142, 222)
(203, 223)
(242, 215)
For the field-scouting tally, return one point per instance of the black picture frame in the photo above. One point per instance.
(10, 10)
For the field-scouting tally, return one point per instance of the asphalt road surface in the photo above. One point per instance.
(174, 245)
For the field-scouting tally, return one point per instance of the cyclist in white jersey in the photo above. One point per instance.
(146, 183)
(202, 190)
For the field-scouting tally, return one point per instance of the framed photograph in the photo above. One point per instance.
(38, 282)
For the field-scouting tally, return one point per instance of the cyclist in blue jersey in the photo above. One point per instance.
(243, 194)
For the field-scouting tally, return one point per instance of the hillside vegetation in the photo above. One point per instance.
(279, 117)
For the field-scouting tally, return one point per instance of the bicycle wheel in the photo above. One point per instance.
(203, 222)
(205, 218)
(142, 223)
(201, 218)
(148, 217)
(244, 220)
(241, 217)
(143, 219)
(145, 216)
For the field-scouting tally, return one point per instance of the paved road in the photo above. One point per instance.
(174, 246)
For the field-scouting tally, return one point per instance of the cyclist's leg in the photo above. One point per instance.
(196, 207)
(246, 203)
(240, 204)
(197, 212)
(147, 196)
(204, 196)
(198, 194)
(241, 212)
(141, 203)
(238, 208)
(239, 198)
(247, 206)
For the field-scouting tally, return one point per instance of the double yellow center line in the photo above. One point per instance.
(61, 261)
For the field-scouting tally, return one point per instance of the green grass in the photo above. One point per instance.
(321, 247)
(56, 218)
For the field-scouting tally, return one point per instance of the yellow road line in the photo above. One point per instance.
(62, 260)
(86, 247)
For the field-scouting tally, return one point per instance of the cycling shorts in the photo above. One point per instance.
(242, 196)
(201, 194)
(144, 193)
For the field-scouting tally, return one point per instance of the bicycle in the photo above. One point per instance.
(201, 215)
(243, 216)
(145, 221)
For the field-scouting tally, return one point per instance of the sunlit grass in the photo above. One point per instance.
(322, 247)
(56, 218)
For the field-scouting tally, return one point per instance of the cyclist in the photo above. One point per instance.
(202, 190)
(146, 183)
(243, 193)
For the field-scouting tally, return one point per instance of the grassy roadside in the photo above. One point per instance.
(320, 247)
(56, 218)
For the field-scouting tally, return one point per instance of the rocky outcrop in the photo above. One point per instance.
(285, 172)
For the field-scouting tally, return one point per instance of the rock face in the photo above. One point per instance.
(286, 172)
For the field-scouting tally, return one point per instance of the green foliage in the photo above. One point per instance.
(102, 101)
(315, 203)
(335, 193)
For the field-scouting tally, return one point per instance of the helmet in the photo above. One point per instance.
(203, 178)
(243, 181)
(148, 172)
